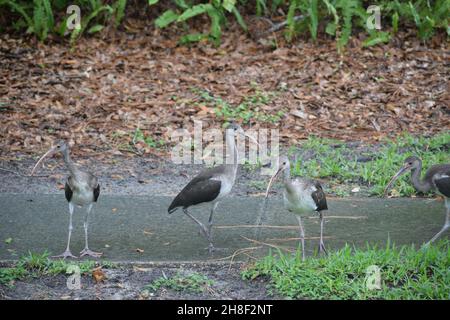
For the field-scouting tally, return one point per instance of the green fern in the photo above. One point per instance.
(348, 10)
(19, 8)
(290, 19)
(340, 18)
(332, 25)
(313, 18)
(43, 21)
(119, 11)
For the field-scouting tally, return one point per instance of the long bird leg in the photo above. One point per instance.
(446, 224)
(210, 224)
(302, 236)
(67, 253)
(203, 229)
(86, 251)
(321, 244)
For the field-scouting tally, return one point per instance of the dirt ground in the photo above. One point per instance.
(127, 281)
(98, 94)
(138, 175)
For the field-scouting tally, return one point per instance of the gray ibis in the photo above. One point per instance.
(436, 178)
(301, 196)
(81, 189)
(211, 185)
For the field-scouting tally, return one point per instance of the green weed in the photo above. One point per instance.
(39, 264)
(333, 160)
(194, 283)
(405, 273)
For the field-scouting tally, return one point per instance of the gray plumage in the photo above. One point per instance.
(301, 196)
(81, 189)
(436, 178)
(210, 185)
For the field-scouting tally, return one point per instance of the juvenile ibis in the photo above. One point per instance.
(211, 185)
(436, 178)
(81, 189)
(301, 196)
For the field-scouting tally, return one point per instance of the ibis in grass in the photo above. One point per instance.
(436, 178)
(212, 184)
(301, 196)
(81, 189)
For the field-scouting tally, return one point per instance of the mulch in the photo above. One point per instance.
(101, 91)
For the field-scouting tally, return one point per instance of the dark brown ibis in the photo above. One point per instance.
(212, 184)
(82, 189)
(301, 196)
(436, 178)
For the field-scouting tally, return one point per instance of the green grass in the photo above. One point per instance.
(39, 264)
(193, 283)
(251, 108)
(148, 140)
(334, 161)
(406, 273)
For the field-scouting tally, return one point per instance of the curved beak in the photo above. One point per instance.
(403, 170)
(49, 153)
(272, 180)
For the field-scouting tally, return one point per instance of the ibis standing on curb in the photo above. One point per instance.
(301, 196)
(81, 189)
(212, 184)
(436, 178)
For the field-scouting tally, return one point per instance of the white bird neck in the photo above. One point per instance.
(231, 165)
(68, 161)
(287, 176)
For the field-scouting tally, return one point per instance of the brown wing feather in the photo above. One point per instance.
(439, 174)
(319, 197)
(96, 192)
(68, 191)
(198, 190)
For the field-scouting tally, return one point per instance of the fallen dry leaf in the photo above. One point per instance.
(98, 274)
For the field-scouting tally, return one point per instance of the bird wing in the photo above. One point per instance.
(442, 183)
(440, 175)
(70, 184)
(96, 192)
(319, 197)
(92, 180)
(68, 191)
(200, 189)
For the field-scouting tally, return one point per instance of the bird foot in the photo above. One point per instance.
(87, 252)
(65, 254)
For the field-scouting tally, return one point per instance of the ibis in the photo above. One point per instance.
(301, 196)
(212, 184)
(81, 189)
(436, 178)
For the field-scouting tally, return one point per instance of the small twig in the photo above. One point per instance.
(22, 175)
(255, 226)
(243, 251)
(267, 244)
(292, 239)
(341, 217)
(236, 253)
(277, 26)
(130, 151)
